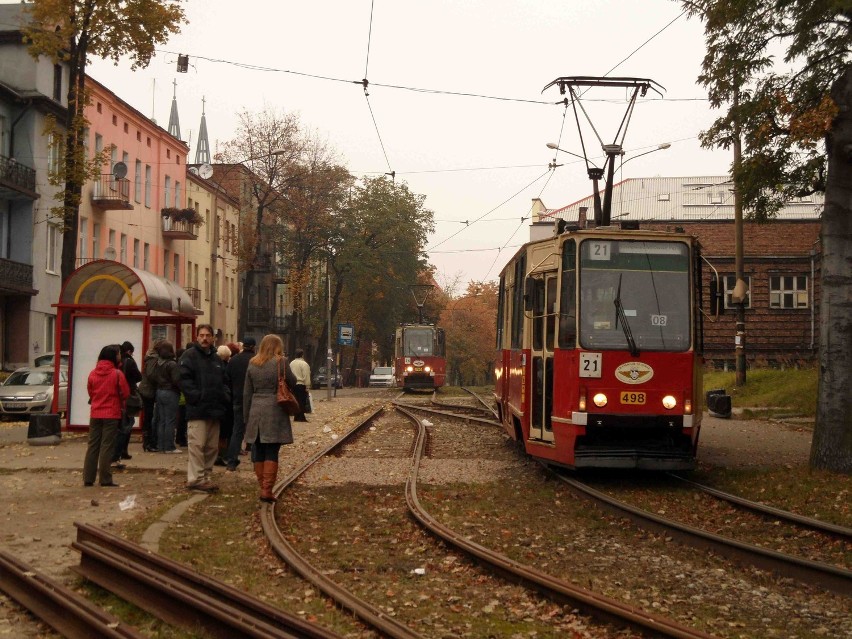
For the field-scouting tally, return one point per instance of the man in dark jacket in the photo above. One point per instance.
(202, 380)
(235, 379)
(133, 377)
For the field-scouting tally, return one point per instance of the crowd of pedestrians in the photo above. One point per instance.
(217, 404)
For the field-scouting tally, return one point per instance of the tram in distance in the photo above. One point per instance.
(419, 357)
(599, 337)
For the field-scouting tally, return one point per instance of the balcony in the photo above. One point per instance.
(17, 182)
(112, 193)
(259, 316)
(179, 229)
(16, 278)
(195, 296)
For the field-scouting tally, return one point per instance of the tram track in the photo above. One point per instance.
(818, 573)
(67, 612)
(554, 589)
(180, 595)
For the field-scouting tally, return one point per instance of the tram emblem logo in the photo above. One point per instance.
(418, 362)
(634, 373)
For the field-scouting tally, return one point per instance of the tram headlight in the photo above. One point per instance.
(410, 369)
(599, 399)
(669, 402)
(427, 369)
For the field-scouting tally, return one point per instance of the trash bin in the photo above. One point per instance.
(44, 430)
(719, 403)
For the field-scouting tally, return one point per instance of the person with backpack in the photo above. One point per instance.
(148, 392)
(166, 378)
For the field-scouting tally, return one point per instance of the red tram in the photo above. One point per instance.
(599, 334)
(419, 357)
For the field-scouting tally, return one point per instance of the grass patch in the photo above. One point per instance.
(773, 392)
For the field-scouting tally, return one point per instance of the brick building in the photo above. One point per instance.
(781, 261)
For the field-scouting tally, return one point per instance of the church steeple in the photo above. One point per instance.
(174, 123)
(202, 151)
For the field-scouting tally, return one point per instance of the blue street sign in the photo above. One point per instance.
(345, 334)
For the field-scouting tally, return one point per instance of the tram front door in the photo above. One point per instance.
(541, 348)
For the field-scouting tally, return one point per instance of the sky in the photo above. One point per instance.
(470, 127)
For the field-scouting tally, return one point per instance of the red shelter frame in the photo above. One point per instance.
(105, 289)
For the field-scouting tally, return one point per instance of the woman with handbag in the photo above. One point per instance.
(268, 422)
(108, 390)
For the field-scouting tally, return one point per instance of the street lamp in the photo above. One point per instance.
(555, 147)
(659, 147)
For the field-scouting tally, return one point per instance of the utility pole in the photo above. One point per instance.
(740, 291)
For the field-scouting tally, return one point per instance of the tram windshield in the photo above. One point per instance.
(418, 342)
(634, 295)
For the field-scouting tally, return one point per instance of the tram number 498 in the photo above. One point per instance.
(632, 398)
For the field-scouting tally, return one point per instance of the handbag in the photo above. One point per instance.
(284, 397)
(133, 404)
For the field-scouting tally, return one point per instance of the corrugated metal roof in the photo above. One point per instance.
(681, 199)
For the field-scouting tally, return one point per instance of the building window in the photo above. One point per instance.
(177, 195)
(84, 238)
(788, 291)
(122, 250)
(730, 281)
(148, 185)
(99, 143)
(52, 252)
(139, 136)
(57, 82)
(207, 284)
(111, 242)
(115, 120)
(146, 257)
(126, 128)
(168, 153)
(96, 240)
(176, 271)
(137, 182)
(168, 191)
(166, 263)
(54, 150)
(49, 332)
(99, 108)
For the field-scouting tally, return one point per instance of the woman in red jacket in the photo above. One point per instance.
(108, 391)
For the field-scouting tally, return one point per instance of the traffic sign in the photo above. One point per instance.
(345, 334)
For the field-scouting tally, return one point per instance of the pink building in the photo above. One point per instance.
(121, 214)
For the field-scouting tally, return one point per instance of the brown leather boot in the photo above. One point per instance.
(258, 471)
(270, 476)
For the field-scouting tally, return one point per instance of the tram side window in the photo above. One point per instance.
(518, 302)
(568, 297)
(538, 312)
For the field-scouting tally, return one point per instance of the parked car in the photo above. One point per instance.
(383, 376)
(29, 390)
(47, 359)
(320, 380)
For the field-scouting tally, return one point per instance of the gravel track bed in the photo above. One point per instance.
(374, 548)
(531, 518)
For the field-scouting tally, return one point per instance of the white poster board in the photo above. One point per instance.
(91, 334)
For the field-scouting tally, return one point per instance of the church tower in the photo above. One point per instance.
(174, 122)
(202, 151)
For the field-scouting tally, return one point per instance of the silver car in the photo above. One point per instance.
(29, 391)
(383, 376)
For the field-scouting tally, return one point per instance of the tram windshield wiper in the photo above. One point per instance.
(621, 317)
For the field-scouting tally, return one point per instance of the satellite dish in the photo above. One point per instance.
(205, 170)
(193, 170)
(119, 170)
(109, 253)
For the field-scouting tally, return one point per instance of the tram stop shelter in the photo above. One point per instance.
(105, 302)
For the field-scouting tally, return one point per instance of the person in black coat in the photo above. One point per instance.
(133, 377)
(235, 378)
(202, 381)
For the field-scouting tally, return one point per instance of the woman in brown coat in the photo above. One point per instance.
(267, 424)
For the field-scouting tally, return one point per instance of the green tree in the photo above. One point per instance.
(70, 31)
(796, 123)
(377, 253)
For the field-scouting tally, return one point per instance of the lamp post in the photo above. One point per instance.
(330, 358)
